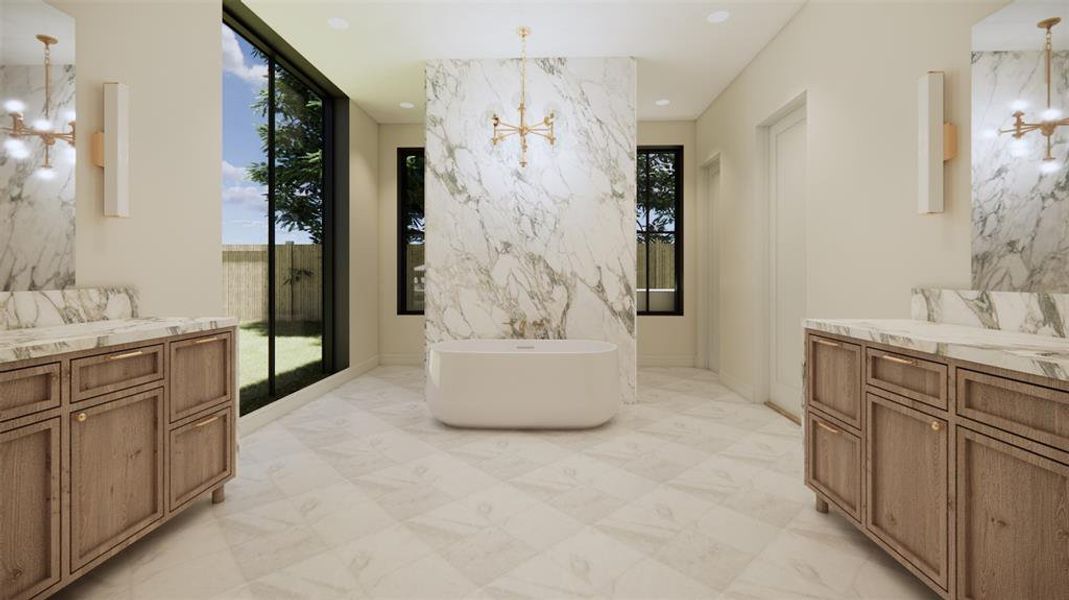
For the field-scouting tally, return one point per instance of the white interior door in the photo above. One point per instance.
(787, 185)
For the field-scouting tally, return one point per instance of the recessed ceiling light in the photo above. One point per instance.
(407, 105)
(663, 102)
(338, 23)
(719, 16)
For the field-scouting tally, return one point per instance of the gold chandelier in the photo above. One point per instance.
(41, 128)
(1051, 118)
(542, 128)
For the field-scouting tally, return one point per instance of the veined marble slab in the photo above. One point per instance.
(1023, 352)
(541, 252)
(1023, 312)
(37, 342)
(48, 308)
(1020, 216)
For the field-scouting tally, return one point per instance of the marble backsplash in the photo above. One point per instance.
(1020, 216)
(45, 308)
(546, 251)
(37, 214)
(1037, 313)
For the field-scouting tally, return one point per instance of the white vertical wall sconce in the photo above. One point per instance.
(111, 150)
(937, 142)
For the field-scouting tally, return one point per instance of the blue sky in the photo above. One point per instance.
(244, 203)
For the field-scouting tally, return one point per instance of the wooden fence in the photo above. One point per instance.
(298, 282)
(663, 266)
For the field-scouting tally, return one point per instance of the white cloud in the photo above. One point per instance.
(234, 61)
(248, 195)
(234, 173)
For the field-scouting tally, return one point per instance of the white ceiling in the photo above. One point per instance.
(22, 20)
(1014, 26)
(378, 60)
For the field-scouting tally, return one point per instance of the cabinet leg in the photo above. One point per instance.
(219, 494)
(821, 505)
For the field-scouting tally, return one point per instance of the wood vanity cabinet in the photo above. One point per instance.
(92, 458)
(964, 468)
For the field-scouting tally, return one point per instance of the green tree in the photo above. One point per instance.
(298, 154)
(656, 194)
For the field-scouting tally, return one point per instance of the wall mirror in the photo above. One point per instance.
(38, 133)
(1020, 144)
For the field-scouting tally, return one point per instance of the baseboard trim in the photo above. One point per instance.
(666, 360)
(737, 385)
(410, 360)
(287, 404)
(784, 412)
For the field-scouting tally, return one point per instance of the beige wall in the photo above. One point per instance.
(670, 340)
(866, 245)
(661, 340)
(400, 336)
(168, 54)
(363, 239)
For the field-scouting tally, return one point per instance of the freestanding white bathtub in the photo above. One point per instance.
(523, 384)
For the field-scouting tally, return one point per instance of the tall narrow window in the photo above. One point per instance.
(659, 221)
(276, 235)
(410, 229)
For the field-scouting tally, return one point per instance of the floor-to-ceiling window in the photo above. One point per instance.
(410, 229)
(659, 224)
(277, 230)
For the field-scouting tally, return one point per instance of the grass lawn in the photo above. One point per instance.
(298, 360)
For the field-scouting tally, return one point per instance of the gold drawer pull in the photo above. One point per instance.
(824, 342)
(936, 426)
(126, 355)
(207, 340)
(82, 417)
(901, 361)
(207, 421)
(827, 428)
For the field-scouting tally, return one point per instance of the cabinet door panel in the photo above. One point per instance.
(116, 473)
(114, 371)
(201, 374)
(833, 463)
(834, 379)
(907, 479)
(29, 510)
(1013, 521)
(201, 456)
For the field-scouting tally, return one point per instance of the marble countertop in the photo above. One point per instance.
(37, 342)
(1023, 352)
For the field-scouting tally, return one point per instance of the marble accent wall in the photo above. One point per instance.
(37, 215)
(46, 308)
(546, 251)
(1020, 216)
(1037, 313)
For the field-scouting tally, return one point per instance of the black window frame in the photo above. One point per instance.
(335, 265)
(677, 234)
(402, 218)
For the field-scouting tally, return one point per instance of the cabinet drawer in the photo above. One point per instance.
(1031, 411)
(833, 463)
(29, 390)
(201, 456)
(114, 371)
(921, 380)
(201, 374)
(833, 373)
(1013, 526)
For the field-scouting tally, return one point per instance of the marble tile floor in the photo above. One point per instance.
(692, 493)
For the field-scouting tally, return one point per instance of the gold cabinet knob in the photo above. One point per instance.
(936, 426)
(82, 417)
